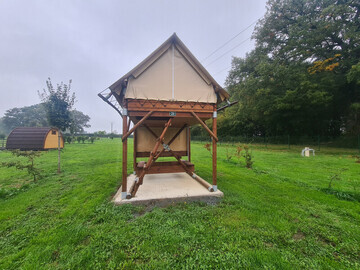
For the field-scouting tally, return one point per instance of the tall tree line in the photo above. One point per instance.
(303, 77)
(37, 116)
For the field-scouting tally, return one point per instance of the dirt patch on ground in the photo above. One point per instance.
(314, 215)
(298, 236)
(268, 245)
(326, 241)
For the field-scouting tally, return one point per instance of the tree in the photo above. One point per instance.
(58, 103)
(301, 77)
(29, 116)
(36, 116)
(79, 121)
(100, 133)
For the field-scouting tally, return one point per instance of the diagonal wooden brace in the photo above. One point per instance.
(193, 175)
(151, 159)
(169, 143)
(124, 137)
(151, 131)
(205, 126)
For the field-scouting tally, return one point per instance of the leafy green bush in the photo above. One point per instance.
(228, 153)
(335, 177)
(248, 157)
(29, 165)
(68, 139)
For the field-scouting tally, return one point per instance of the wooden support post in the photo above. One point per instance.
(189, 144)
(214, 151)
(124, 158)
(204, 126)
(128, 133)
(128, 125)
(135, 150)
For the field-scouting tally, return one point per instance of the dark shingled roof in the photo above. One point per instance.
(28, 138)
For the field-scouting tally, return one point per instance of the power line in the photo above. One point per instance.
(227, 42)
(221, 71)
(242, 42)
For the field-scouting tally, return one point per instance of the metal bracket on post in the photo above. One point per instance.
(215, 187)
(125, 112)
(166, 147)
(215, 114)
(123, 195)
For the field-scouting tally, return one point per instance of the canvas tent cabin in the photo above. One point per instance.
(163, 96)
(34, 138)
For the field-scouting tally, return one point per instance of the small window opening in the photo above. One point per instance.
(53, 132)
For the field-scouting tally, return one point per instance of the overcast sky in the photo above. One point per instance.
(94, 43)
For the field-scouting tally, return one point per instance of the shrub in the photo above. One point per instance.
(228, 153)
(78, 138)
(207, 146)
(248, 157)
(238, 153)
(335, 177)
(29, 166)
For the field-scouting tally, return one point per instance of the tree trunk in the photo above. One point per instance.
(59, 171)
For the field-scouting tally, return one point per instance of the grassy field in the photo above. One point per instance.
(279, 215)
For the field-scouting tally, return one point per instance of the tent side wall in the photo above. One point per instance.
(51, 140)
(171, 78)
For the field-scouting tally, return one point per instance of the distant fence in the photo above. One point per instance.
(314, 141)
(2, 144)
(93, 135)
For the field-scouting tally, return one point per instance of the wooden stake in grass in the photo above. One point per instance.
(58, 104)
(59, 159)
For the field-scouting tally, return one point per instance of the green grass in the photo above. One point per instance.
(279, 215)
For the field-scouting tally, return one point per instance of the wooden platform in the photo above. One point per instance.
(165, 189)
(164, 167)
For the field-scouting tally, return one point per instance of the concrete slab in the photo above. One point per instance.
(165, 189)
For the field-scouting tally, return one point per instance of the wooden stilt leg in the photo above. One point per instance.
(189, 144)
(135, 150)
(124, 159)
(214, 152)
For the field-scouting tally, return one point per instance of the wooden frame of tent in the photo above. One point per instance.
(163, 96)
(142, 111)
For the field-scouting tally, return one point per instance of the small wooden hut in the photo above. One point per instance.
(163, 96)
(34, 138)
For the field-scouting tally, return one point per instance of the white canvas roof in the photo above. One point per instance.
(170, 73)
